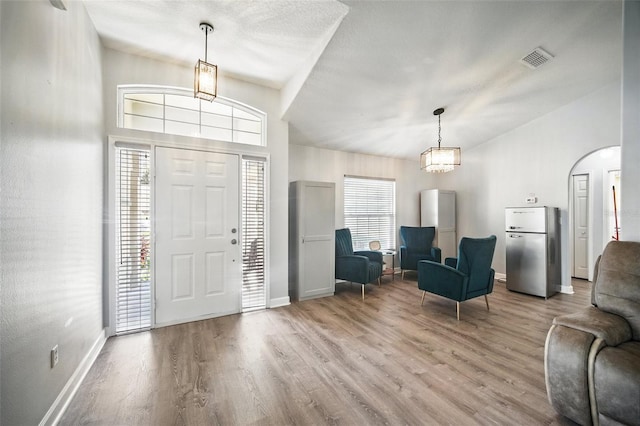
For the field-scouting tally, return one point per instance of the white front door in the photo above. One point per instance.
(581, 226)
(198, 264)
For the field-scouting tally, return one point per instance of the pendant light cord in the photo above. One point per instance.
(439, 138)
(206, 37)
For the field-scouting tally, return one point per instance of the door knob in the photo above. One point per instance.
(234, 241)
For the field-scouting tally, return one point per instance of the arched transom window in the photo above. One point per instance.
(175, 111)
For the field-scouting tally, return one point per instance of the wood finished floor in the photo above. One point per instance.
(336, 360)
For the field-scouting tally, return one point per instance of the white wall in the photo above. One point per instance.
(120, 68)
(51, 216)
(533, 159)
(308, 163)
(597, 165)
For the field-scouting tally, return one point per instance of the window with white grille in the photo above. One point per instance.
(133, 240)
(370, 211)
(253, 235)
(175, 111)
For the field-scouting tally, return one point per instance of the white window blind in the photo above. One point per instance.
(133, 200)
(253, 235)
(175, 111)
(370, 211)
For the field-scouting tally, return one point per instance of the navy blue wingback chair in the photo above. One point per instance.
(417, 244)
(360, 266)
(462, 278)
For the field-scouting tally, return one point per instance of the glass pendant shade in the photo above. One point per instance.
(440, 160)
(205, 81)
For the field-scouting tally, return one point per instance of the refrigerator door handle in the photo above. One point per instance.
(515, 236)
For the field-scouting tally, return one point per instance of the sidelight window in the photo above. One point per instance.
(133, 240)
(253, 234)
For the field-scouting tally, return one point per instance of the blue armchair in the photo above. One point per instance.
(462, 278)
(417, 245)
(360, 266)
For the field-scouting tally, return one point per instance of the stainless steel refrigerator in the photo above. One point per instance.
(533, 250)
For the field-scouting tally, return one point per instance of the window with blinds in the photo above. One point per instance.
(133, 200)
(253, 235)
(175, 111)
(370, 211)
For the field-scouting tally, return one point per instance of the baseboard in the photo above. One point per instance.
(280, 301)
(567, 289)
(61, 403)
(501, 277)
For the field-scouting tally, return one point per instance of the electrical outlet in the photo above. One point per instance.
(54, 356)
(531, 200)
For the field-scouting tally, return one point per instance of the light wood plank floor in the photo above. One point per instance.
(336, 360)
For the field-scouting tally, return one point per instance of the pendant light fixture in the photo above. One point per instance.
(205, 85)
(439, 160)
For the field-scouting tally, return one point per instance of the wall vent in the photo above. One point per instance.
(536, 58)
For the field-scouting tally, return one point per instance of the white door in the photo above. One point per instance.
(581, 226)
(198, 264)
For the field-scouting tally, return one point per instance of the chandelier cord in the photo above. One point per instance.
(439, 137)
(206, 37)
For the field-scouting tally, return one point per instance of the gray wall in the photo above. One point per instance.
(51, 216)
(630, 172)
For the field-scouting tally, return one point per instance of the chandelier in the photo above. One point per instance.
(439, 160)
(205, 84)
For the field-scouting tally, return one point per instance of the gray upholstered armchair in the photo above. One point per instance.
(592, 357)
(361, 266)
(417, 244)
(462, 278)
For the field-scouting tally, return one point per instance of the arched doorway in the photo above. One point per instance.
(591, 212)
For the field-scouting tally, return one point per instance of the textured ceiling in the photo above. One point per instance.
(260, 41)
(388, 64)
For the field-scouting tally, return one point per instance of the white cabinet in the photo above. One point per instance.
(438, 208)
(311, 239)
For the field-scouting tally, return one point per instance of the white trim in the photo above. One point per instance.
(241, 150)
(59, 406)
(192, 319)
(278, 302)
(566, 289)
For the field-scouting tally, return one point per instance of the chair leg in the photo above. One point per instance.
(423, 294)
(458, 310)
(379, 281)
(486, 299)
(402, 274)
(362, 291)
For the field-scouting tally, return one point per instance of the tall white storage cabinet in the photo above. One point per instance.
(438, 208)
(311, 239)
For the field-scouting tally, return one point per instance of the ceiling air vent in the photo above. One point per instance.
(536, 58)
